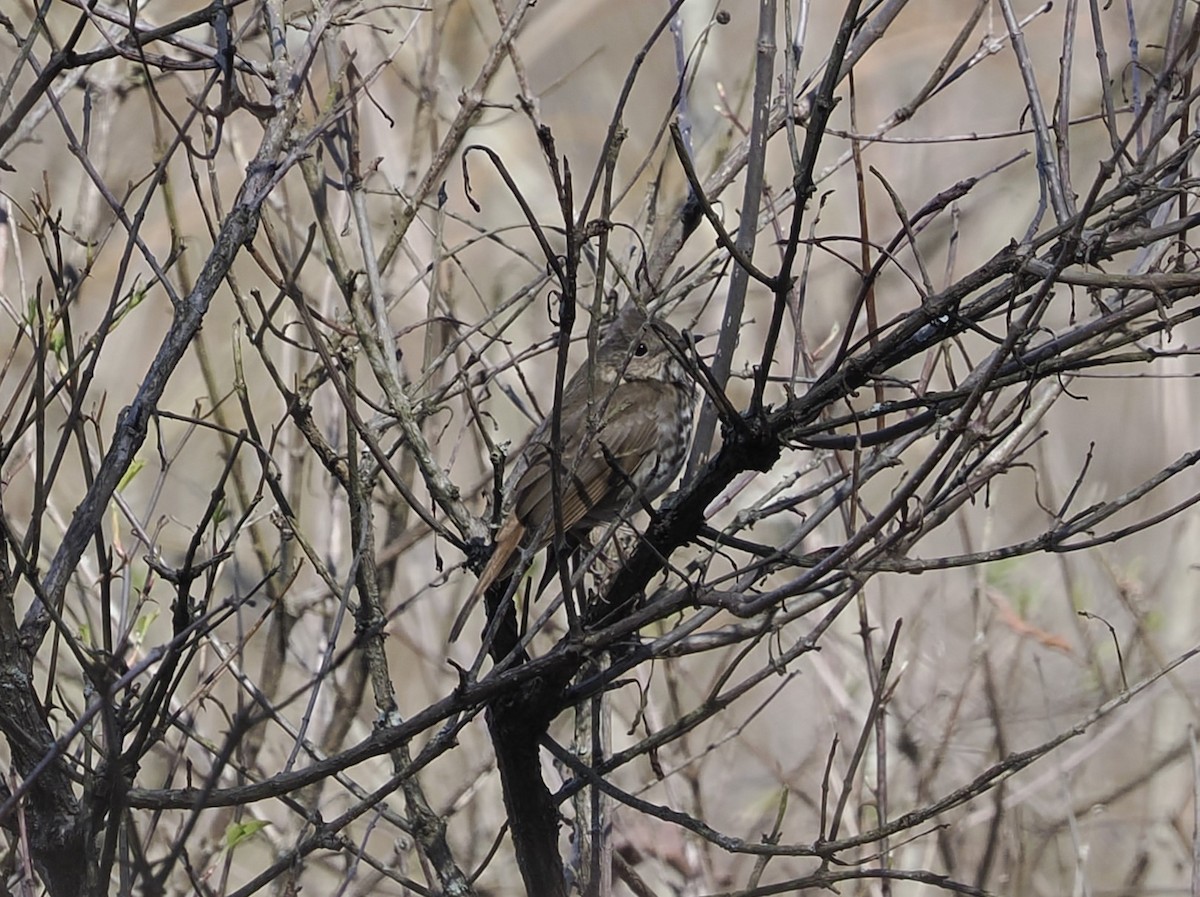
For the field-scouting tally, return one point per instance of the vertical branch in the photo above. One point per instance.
(50, 816)
(427, 827)
(683, 101)
(1194, 754)
(864, 235)
(735, 300)
(1171, 51)
(876, 708)
(1049, 175)
(1062, 117)
(840, 63)
(1135, 77)
(516, 724)
(1107, 87)
(593, 808)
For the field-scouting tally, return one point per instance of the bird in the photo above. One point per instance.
(624, 428)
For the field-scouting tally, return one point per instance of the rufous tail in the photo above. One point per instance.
(508, 540)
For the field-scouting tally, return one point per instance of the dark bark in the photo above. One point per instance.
(52, 817)
(516, 726)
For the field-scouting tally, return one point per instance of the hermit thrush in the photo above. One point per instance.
(624, 428)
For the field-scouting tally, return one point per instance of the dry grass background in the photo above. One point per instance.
(990, 659)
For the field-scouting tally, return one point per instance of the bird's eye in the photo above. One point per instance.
(641, 350)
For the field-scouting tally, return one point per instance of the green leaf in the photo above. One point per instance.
(133, 471)
(57, 340)
(142, 626)
(237, 832)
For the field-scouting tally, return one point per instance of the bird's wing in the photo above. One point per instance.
(591, 481)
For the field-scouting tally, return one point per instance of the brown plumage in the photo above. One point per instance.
(643, 398)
